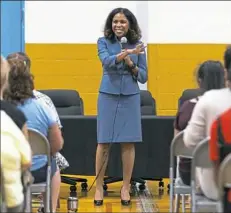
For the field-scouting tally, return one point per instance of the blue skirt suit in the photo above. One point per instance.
(119, 114)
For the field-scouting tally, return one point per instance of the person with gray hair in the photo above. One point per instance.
(5, 68)
(15, 149)
(15, 114)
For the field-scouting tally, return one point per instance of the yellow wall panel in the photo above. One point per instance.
(67, 66)
(172, 69)
(76, 66)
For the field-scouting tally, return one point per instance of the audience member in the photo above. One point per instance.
(61, 161)
(210, 75)
(15, 114)
(207, 109)
(39, 117)
(15, 158)
(227, 62)
(220, 147)
(15, 150)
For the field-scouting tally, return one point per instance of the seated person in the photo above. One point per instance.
(208, 108)
(220, 147)
(39, 117)
(210, 75)
(16, 115)
(15, 158)
(44, 99)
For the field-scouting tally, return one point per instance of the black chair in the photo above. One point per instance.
(189, 94)
(148, 107)
(148, 103)
(68, 102)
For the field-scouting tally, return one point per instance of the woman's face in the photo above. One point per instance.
(120, 25)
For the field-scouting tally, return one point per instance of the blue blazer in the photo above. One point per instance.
(117, 79)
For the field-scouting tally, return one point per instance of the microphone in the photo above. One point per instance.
(123, 42)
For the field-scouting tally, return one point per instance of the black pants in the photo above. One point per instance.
(41, 174)
(185, 170)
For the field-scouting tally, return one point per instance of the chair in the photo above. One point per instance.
(27, 180)
(40, 146)
(224, 179)
(201, 159)
(189, 94)
(178, 149)
(148, 107)
(68, 102)
(147, 103)
(3, 203)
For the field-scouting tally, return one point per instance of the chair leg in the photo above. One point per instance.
(177, 203)
(47, 202)
(28, 201)
(183, 203)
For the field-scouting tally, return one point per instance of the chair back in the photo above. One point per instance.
(224, 175)
(39, 143)
(201, 157)
(178, 147)
(189, 94)
(67, 102)
(41, 146)
(147, 103)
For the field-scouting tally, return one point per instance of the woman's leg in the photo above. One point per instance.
(40, 176)
(101, 164)
(128, 157)
(55, 189)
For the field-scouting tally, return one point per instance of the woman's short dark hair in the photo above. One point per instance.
(21, 82)
(211, 74)
(227, 57)
(134, 32)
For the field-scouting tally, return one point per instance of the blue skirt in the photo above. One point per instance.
(119, 118)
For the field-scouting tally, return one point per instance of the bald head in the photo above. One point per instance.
(5, 68)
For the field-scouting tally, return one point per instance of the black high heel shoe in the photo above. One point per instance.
(98, 202)
(125, 202)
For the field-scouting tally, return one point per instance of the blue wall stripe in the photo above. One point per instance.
(12, 27)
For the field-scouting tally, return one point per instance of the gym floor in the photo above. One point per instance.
(152, 199)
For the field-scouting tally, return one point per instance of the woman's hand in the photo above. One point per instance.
(128, 61)
(130, 64)
(139, 49)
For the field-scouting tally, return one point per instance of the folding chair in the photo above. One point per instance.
(179, 189)
(224, 179)
(40, 146)
(27, 180)
(2, 193)
(201, 159)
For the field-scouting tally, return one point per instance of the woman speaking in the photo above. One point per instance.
(119, 116)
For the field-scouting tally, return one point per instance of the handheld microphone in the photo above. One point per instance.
(123, 42)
